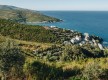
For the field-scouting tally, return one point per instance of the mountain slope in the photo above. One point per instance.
(24, 15)
(19, 31)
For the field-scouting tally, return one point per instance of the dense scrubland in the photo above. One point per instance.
(24, 15)
(34, 53)
(25, 32)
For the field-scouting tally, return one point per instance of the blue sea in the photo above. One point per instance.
(92, 22)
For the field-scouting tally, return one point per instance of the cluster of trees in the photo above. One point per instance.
(26, 32)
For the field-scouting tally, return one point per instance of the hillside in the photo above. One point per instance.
(34, 33)
(32, 53)
(24, 15)
(47, 65)
(26, 32)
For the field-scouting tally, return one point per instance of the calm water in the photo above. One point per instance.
(92, 22)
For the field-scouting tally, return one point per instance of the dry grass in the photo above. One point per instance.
(103, 62)
(27, 45)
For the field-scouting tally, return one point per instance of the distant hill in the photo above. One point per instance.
(24, 15)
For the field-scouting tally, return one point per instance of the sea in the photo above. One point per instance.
(92, 22)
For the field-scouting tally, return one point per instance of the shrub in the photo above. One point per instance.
(41, 71)
(92, 71)
(11, 60)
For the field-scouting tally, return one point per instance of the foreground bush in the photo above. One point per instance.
(43, 71)
(92, 71)
(11, 61)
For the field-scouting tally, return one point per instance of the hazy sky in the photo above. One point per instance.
(94, 5)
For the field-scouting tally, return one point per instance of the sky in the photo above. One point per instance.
(75, 5)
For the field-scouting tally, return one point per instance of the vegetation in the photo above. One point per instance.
(29, 53)
(34, 33)
(23, 15)
(12, 60)
(26, 32)
(69, 53)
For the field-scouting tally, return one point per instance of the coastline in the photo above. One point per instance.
(93, 22)
(41, 22)
(104, 43)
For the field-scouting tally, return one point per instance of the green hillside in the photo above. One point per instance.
(24, 15)
(26, 32)
(31, 53)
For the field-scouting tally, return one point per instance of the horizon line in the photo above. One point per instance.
(52, 9)
(74, 10)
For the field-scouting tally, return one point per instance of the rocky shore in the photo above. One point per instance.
(71, 37)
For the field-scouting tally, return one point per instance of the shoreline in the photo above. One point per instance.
(101, 40)
(104, 43)
(38, 22)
